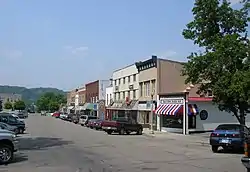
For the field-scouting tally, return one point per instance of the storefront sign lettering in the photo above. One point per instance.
(171, 101)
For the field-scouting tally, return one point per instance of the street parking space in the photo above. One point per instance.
(54, 145)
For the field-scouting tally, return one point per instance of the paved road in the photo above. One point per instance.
(52, 145)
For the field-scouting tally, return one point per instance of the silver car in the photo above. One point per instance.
(8, 145)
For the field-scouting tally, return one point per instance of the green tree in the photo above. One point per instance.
(223, 64)
(8, 105)
(19, 105)
(50, 102)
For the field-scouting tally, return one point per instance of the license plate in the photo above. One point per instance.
(225, 141)
(109, 127)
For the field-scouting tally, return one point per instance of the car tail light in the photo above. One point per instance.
(236, 135)
(215, 135)
(246, 149)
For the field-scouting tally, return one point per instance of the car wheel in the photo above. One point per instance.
(139, 132)
(6, 154)
(21, 131)
(122, 131)
(109, 132)
(16, 131)
(215, 149)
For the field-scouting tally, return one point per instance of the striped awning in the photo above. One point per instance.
(175, 109)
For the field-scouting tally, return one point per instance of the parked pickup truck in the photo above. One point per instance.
(8, 145)
(122, 126)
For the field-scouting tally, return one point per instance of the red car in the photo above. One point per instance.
(56, 115)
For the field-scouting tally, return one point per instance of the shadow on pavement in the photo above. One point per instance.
(38, 143)
(17, 158)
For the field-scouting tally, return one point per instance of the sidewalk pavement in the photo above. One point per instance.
(201, 139)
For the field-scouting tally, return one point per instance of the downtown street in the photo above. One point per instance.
(52, 145)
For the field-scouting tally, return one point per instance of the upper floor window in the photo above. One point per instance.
(153, 85)
(134, 77)
(123, 94)
(141, 89)
(119, 81)
(115, 82)
(124, 80)
(147, 89)
(128, 79)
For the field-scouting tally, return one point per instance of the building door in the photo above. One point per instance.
(192, 121)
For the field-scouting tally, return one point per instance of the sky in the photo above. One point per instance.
(68, 43)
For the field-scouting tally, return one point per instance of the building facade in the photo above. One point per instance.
(95, 98)
(71, 100)
(125, 92)
(80, 100)
(9, 97)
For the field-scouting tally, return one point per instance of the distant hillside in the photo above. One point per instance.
(29, 95)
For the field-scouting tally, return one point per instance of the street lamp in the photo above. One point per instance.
(152, 109)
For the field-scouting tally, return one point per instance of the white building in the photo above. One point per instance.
(125, 83)
(109, 96)
(125, 93)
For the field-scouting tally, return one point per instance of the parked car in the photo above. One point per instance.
(5, 126)
(17, 117)
(56, 115)
(69, 117)
(228, 136)
(8, 145)
(9, 119)
(91, 123)
(75, 119)
(98, 124)
(22, 115)
(43, 113)
(63, 116)
(84, 119)
(122, 126)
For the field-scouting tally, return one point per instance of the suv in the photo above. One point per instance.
(9, 119)
(8, 145)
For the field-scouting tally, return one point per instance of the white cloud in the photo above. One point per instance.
(76, 50)
(11, 54)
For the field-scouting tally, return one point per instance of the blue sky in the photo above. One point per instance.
(67, 43)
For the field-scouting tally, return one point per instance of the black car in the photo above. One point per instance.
(11, 120)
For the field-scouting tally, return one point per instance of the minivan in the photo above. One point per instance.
(85, 118)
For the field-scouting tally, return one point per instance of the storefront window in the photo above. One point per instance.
(177, 122)
(172, 121)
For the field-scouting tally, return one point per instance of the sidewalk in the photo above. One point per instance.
(192, 139)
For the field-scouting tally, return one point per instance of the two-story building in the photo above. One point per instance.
(71, 96)
(80, 100)
(95, 98)
(125, 92)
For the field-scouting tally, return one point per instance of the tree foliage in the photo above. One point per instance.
(50, 102)
(8, 105)
(223, 64)
(19, 105)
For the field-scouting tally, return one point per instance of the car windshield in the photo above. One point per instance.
(83, 117)
(92, 117)
(233, 127)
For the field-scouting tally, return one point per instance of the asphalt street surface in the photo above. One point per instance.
(53, 145)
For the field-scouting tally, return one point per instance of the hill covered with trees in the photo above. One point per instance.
(29, 95)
